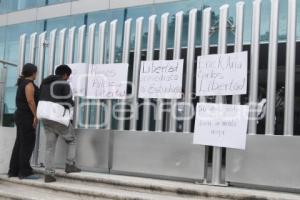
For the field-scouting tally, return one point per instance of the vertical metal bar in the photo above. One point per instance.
(290, 70)
(22, 52)
(190, 70)
(70, 57)
(272, 69)
(52, 39)
(80, 54)
(205, 37)
(150, 55)
(112, 55)
(125, 59)
(102, 28)
(162, 56)
(70, 54)
(217, 151)
(62, 42)
(41, 62)
(136, 71)
(176, 56)
(112, 41)
(81, 35)
(254, 68)
(41, 58)
(206, 26)
(90, 56)
(239, 30)
(91, 43)
(32, 47)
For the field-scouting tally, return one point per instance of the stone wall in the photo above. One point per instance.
(7, 139)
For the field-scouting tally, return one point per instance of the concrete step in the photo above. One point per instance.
(13, 191)
(84, 191)
(172, 188)
(136, 184)
(88, 185)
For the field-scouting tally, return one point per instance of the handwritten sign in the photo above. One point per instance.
(161, 79)
(107, 81)
(222, 74)
(221, 125)
(78, 77)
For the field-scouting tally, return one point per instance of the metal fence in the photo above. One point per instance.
(238, 163)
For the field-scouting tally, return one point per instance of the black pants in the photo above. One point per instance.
(23, 148)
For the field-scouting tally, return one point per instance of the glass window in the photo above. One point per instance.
(172, 9)
(10, 6)
(49, 2)
(59, 24)
(7, 6)
(215, 5)
(11, 54)
(108, 16)
(3, 6)
(134, 13)
(2, 42)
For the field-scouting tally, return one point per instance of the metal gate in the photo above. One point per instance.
(166, 152)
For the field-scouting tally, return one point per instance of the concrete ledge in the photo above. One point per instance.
(88, 191)
(8, 196)
(178, 187)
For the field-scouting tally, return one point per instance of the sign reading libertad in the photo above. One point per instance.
(222, 74)
(107, 81)
(161, 79)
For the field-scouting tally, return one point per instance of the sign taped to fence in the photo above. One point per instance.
(222, 74)
(107, 81)
(221, 125)
(78, 77)
(161, 79)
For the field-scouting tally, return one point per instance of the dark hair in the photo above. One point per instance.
(63, 70)
(28, 70)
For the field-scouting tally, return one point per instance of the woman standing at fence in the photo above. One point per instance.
(26, 122)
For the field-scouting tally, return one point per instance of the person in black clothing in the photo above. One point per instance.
(55, 88)
(26, 122)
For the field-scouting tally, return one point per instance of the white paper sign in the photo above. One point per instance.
(78, 77)
(161, 79)
(222, 74)
(107, 81)
(221, 125)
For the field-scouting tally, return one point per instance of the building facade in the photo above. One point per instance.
(171, 154)
(28, 16)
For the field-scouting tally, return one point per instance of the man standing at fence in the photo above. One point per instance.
(56, 89)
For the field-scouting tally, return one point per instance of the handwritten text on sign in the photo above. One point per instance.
(107, 81)
(161, 79)
(78, 77)
(221, 125)
(222, 74)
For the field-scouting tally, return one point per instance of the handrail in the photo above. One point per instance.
(8, 63)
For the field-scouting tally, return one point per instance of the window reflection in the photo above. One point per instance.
(7, 6)
(11, 50)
